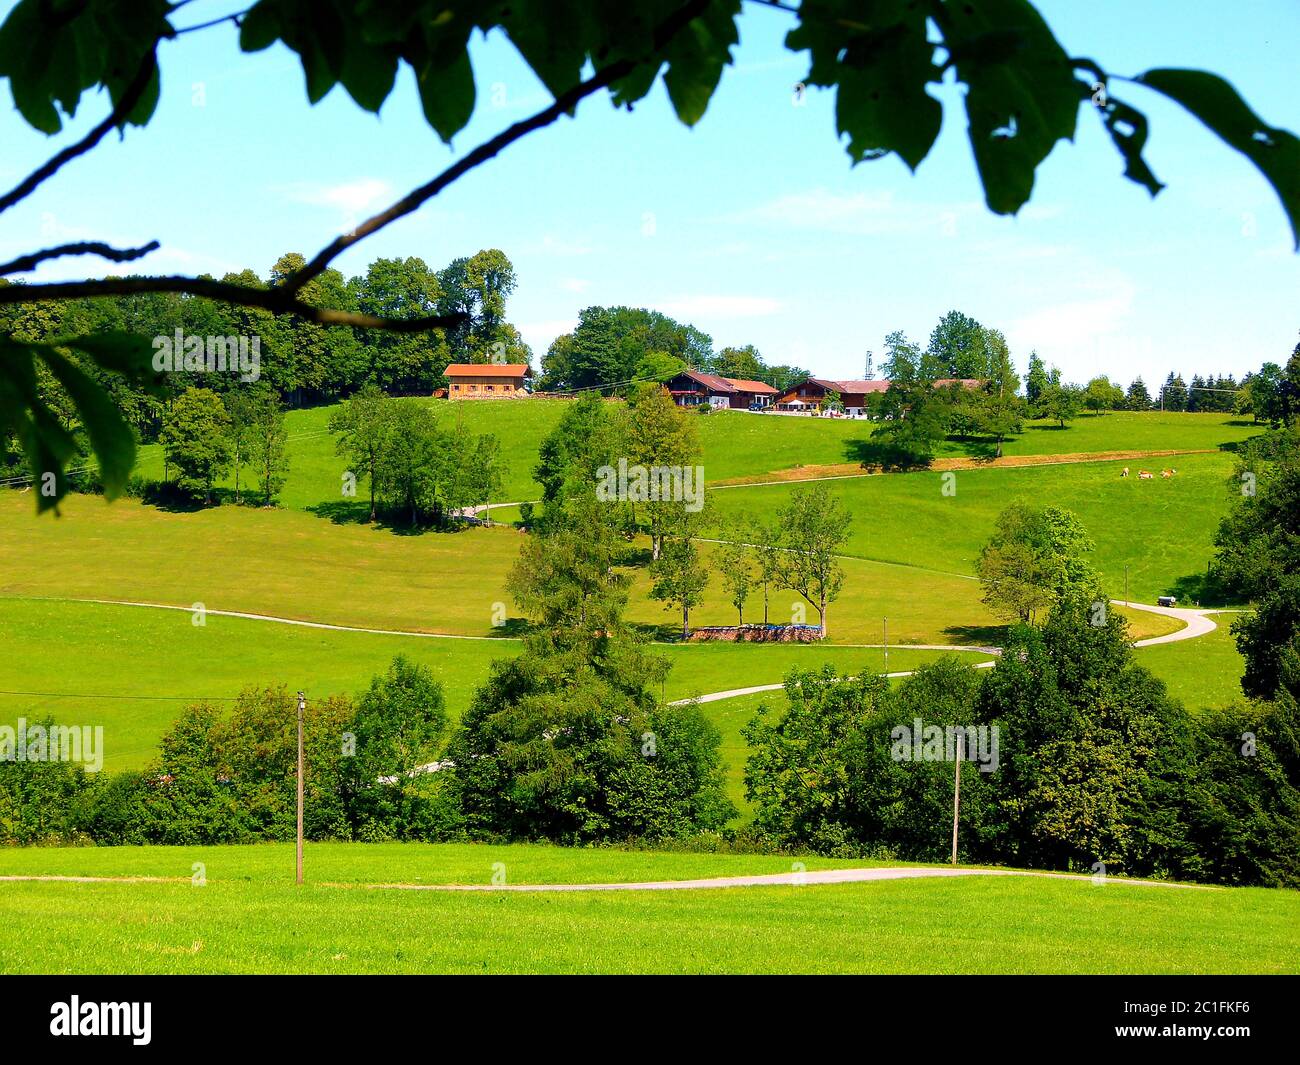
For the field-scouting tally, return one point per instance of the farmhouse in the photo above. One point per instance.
(492, 380)
(691, 388)
(808, 395)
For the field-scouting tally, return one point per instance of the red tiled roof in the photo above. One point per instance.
(488, 369)
(750, 386)
(710, 381)
(860, 388)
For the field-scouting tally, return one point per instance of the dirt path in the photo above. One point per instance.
(844, 471)
(791, 879)
(798, 878)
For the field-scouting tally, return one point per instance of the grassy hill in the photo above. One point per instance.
(251, 918)
(132, 669)
(735, 443)
(1163, 530)
(912, 552)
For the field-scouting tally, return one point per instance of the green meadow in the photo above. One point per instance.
(249, 917)
(132, 669)
(735, 444)
(1161, 530)
(1202, 672)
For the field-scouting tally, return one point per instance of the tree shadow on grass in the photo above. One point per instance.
(357, 512)
(1202, 589)
(873, 454)
(167, 497)
(977, 635)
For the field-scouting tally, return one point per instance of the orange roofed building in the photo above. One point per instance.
(487, 380)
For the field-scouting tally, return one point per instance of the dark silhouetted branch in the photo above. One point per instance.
(90, 247)
(274, 300)
(56, 162)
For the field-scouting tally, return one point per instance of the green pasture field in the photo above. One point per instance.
(735, 444)
(294, 565)
(249, 917)
(1202, 672)
(1162, 530)
(132, 669)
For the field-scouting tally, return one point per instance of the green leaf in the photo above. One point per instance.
(696, 57)
(368, 73)
(556, 58)
(1022, 97)
(879, 59)
(109, 434)
(260, 27)
(1219, 106)
(1128, 130)
(47, 445)
(128, 354)
(447, 93)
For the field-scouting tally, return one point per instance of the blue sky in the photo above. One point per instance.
(753, 225)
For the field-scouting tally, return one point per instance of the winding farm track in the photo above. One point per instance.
(792, 879)
(799, 878)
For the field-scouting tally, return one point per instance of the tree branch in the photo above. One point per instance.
(116, 117)
(283, 298)
(274, 300)
(563, 104)
(91, 247)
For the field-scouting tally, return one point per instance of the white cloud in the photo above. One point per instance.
(538, 335)
(713, 306)
(575, 284)
(552, 245)
(1087, 336)
(350, 197)
(856, 213)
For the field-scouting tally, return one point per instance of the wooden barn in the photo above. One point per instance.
(488, 380)
(690, 388)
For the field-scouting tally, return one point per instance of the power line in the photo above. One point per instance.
(151, 698)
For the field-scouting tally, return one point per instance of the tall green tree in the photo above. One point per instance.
(656, 434)
(1035, 559)
(679, 574)
(1036, 379)
(814, 525)
(412, 462)
(915, 416)
(361, 423)
(196, 440)
(958, 347)
(268, 452)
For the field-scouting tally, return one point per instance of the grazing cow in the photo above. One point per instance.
(1146, 475)
(1125, 473)
(1166, 473)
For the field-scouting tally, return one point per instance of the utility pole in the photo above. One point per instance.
(302, 706)
(886, 647)
(956, 788)
(1126, 584)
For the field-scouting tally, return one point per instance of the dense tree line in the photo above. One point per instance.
(414, 465)
(964, 384)
(612, 347)
(299, 362)
(1095, 768)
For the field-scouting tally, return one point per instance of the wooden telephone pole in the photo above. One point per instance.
(302, 706)
(956, 788)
